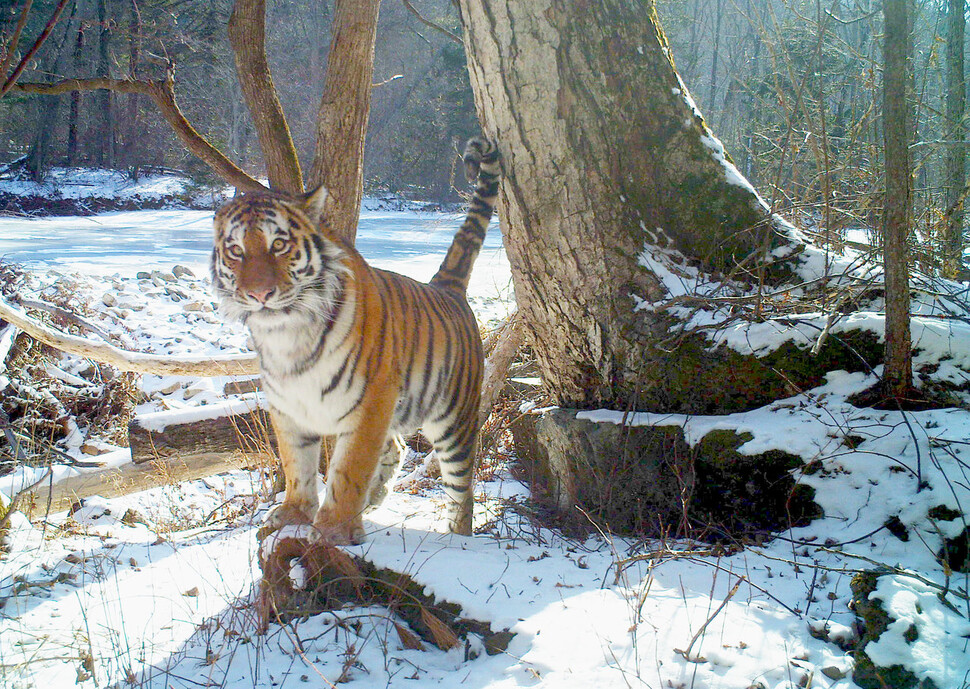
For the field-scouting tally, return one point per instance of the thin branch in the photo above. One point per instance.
(428, 22)
(22, 65)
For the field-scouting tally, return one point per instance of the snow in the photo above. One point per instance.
(165, 596)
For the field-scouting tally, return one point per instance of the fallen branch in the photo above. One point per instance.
(124, 360)
(504, 346)
(113, 481)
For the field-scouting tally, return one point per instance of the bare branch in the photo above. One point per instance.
(428, 22)
(124, 360)
(18, 70)
(162, 94)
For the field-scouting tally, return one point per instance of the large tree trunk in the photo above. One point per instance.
(898, 372)
(605, 153)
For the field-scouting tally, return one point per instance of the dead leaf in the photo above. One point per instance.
(444, 637)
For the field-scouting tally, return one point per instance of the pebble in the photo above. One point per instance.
(108, 299)
(181, 271)
(142, 275)
(833, 672)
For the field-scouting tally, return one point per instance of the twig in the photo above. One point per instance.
(428, 22)
(727, 598)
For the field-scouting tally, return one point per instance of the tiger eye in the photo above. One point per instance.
(278, 245)
(234, 251)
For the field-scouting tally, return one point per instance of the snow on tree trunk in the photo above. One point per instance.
(605, 153)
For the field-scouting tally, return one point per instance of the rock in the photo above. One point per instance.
(164, 277)
(180, 271)
(92, 449)
(196, 306)
(647, 480)
(241, 387)
(142, 275)
(176, 294)
(108, 299)
(833, 672)
(133, 516)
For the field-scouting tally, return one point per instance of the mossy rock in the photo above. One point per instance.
(748, 493)
(647, 480)
(698, 380)
(875, 621)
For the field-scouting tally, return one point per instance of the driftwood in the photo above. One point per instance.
(110, 482)
(333, 577)
(135, 362)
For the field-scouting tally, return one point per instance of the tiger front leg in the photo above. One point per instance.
(349, 476)
(300, 455)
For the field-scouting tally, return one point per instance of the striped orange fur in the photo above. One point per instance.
(356, 352)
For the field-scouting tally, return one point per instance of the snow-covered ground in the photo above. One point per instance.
(164, 596)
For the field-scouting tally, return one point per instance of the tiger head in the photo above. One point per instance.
(271, 256)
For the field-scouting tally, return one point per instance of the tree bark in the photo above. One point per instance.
(604, 153)
(247, 34)
(898, 369)
(956, 132)
(338, 158)
(104, 99)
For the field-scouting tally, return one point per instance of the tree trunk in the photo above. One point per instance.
(77, 57)
(605, 154)
(247, 34)
(898, 371)
(338, 159)
(956, 132)
(104, 98)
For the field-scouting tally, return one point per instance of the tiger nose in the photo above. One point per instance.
(260, 294)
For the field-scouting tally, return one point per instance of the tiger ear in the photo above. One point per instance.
(314, 201)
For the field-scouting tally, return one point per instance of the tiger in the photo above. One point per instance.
(356, 352)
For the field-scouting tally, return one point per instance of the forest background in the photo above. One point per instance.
(792, 88)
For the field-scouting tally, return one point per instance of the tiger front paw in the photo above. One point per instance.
(335, 531)
(287, 514)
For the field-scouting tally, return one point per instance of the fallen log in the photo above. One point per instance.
(234, 426)
(168, 447)
(331, 577)
(112, 481)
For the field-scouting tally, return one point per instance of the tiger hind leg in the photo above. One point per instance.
(387, 467)
(456, 456)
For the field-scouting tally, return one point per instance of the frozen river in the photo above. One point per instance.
(409, 242)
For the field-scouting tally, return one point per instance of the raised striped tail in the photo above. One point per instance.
(481, 166)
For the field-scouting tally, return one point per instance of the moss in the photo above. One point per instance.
(745, 493)
(943, 513)
(956, 552)
(680, 382)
